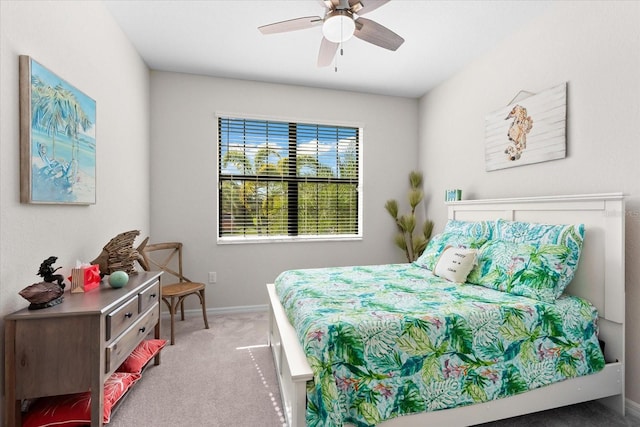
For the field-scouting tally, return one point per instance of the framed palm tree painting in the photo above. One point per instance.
(57, 139)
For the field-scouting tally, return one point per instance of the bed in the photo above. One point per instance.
(598, 282)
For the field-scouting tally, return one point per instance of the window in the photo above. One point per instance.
(287, 180)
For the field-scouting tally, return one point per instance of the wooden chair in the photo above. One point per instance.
(163, 256)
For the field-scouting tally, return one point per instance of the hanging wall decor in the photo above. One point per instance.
(57, 139)
(531, 130)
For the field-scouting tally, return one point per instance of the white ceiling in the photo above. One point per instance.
(220, 38)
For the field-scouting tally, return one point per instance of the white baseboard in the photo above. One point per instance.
(238, 309)
(632, 408)
(221, 310)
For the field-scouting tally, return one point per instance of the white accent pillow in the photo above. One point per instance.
(455, 264)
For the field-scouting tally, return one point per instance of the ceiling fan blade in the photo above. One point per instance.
(374, 33)
(367, 5)
(328, 50)
(291, 25)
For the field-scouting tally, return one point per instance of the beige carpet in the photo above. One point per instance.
(224, 377)
(218, 377)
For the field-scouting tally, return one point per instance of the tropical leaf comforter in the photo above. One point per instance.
(390, 340)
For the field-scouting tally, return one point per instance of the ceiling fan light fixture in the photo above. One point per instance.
(338, 27)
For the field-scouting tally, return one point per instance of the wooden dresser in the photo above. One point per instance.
(74, 346)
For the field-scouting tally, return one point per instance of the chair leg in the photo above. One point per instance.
(182, 309)
(204, 310)
(172, 313)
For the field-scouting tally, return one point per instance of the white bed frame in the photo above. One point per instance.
(599, 278)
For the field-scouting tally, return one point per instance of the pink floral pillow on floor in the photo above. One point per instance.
(72, 410)
(142, 354)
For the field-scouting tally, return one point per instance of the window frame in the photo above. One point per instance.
(240, 239)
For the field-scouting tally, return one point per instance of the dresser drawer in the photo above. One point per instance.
(148, 297)
(118, 350)
(121, 318)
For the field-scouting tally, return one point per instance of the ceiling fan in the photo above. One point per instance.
(342, 20)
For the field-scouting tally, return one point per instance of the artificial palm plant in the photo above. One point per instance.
(413, 244)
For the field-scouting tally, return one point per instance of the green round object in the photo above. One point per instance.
(118, 279)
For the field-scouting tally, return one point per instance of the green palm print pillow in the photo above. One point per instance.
(533, 271)
(477, 229)
(569, 235)
(456, 233)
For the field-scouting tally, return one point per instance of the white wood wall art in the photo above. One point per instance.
(531, 130)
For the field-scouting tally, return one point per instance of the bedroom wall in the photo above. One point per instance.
(595, 47)
(183, 176)
(81, 43)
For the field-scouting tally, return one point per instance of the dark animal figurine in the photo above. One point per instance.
(46, 272)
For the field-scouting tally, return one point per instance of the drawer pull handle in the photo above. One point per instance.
(152, 296)
(143, 329)
(128, 315)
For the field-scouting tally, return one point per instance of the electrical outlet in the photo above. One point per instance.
(213, 277)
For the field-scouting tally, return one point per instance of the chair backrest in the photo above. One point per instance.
(165, 256)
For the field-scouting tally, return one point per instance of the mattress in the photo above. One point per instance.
(390, 340)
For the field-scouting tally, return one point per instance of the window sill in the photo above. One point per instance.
(286, 239)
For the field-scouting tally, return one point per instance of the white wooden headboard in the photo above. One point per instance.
(600, 277)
